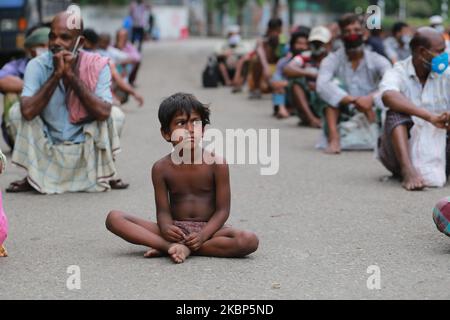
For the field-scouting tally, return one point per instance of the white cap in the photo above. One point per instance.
(233, 29)
(321, 34)
(436, 20)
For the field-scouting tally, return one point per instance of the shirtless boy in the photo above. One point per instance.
(192, 200)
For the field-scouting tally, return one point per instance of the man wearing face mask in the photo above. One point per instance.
(12, 73)
(268, 51)
(359, 71)
(416, 87)
(397, 46)
(231, 57)
(437, 23)
(66, 130)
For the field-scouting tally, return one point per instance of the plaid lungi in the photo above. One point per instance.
(386, 152)
(58, 168)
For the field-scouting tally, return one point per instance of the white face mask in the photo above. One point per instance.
(41, 51)
(440, 28)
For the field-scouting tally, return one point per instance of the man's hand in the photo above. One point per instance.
(173, 234)
(364, 103)
(69, 63)
(139, 99)
(194, 241)
(440, 121)
(58, 63)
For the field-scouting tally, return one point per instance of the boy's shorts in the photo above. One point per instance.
(189, 227)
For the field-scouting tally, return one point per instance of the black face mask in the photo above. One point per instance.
(353, 41)
(317, 50)
(273, 41)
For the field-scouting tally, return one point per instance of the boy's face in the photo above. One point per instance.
(185, 128)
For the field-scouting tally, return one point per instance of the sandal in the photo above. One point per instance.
(19, 186)
(118, 184)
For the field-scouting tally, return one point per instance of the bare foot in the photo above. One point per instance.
(283, 113)
(412, 181)
(179, 252)
(334, 147)
(152, 253)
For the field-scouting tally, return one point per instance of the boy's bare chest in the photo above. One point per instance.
(190, 179)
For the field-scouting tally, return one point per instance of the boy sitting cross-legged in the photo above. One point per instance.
(192, 200)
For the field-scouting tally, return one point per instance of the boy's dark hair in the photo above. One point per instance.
(398, 26)
(348, 19)
(91, 36)
(274, 24)
(181, 102)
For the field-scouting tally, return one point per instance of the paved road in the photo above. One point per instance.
(321, 220)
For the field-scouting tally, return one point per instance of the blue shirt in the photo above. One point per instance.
(14, 68)
(56, 115)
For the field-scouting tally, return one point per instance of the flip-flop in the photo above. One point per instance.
(118, 184)
(19, 186)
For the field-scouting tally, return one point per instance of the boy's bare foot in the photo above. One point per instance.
(3, 252)
(179, 252)
(412, 181)
(152, 253)
(334, 147)
(283, 113)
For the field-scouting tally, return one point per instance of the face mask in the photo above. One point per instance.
(406, 39)
(317, 50)
(440, 28)
(274, 41)
(41, 51)
(353, 41)
(439, 63)
(234, 40)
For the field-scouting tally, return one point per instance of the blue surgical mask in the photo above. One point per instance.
(440, 63)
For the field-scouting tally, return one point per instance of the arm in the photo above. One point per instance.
(262, 56)
(222, 212)
(97, 107)
(11, 84)
(327, 89)
(397, 102)
(163, 215)
(123, 85)
(293, 71)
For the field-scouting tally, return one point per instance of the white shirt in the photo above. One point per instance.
(434, 96)
(360, 82)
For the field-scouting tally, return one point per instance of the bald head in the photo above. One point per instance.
(428, 38)
(70, 21)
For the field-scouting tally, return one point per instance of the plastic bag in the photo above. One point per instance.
(428, 152)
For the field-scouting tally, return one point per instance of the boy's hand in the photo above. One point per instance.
(194, 241)
(173, 234)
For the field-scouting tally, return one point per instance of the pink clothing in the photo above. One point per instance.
(132, 52)
(90, 66)
(3, 222)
